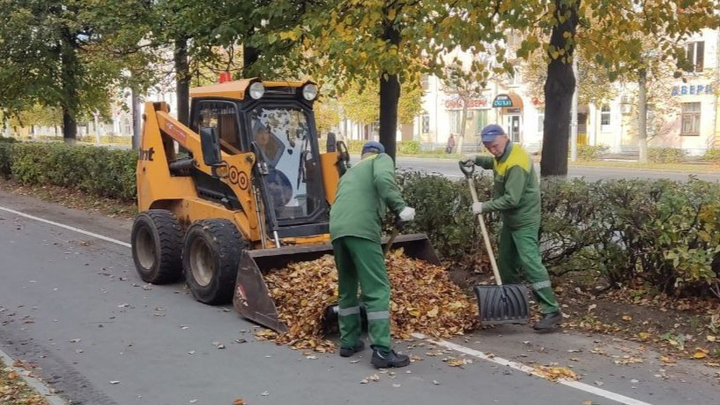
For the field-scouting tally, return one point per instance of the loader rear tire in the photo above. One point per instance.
(211, 255)
(156, 241)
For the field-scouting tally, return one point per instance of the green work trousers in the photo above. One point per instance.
(519, 251)
(361, 262)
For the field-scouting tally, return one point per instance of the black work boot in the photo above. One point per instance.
(548, 322)
(349, 351)
(382, 359)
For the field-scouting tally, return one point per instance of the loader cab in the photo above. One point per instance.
(275, 121)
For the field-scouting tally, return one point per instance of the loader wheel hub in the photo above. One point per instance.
(145, 247)
(201, 262)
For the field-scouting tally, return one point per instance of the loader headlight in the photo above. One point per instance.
(310, 91)
(257, 90)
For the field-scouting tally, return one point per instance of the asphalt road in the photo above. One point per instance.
(449, 168)
(72, 304)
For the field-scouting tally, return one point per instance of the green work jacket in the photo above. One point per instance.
(363, 194)
(516, 191)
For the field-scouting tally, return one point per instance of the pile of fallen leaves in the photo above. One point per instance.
(14, 390)
(423, 300)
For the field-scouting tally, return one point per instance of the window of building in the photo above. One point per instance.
(541, 122)
(605, 118)
(425, 123)
(475, 121)
(425, 82)
(695, 52)
(690, 119)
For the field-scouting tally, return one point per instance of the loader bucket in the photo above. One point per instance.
(252, 299)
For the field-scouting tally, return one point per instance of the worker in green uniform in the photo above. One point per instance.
(364, 192)
(516, 196)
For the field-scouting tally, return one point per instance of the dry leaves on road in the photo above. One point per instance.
(423, 300)
(14, 390)
(555, 373)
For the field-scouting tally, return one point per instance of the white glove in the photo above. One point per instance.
(477, 208)
(407, 214)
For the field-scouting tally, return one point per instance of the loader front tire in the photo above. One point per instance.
(156, 241)
(211, 255)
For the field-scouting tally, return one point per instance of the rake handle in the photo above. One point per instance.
(486, 238)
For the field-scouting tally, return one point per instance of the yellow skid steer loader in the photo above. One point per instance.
(242, 191)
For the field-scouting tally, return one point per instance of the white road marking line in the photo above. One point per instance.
(36, 384)
(459, 348)
(94, 235)
(529, 370)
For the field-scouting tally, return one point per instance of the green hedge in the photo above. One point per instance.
(97, 171)
(403, 147)
(712, 155)
(666, 155)
(588, 153)
(659, 234)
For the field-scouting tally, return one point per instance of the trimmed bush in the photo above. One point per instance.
(97, 171)
(712, 155)
(403, 147)
(666, 155)
(588, 153)
(408, 147)
(659, 234)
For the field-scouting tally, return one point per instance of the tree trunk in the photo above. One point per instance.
(463, 123)
(250, 56)
(136, 118)
(182, 80)
(389, 97)
(559, 88)
(69, 126)
(642, 116)
(69, 76)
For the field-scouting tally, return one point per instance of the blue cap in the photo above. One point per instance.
(490, 132)
(373, 147)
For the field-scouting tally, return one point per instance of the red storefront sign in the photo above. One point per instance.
(457, 104)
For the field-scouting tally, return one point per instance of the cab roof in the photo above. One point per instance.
(236, 89)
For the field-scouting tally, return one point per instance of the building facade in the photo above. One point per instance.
(684, 114)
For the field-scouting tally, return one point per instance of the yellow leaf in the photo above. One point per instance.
(711, 338)
(643, 336)
(587, 403)
(433, 312)
(627, 318)
(699, 355)
(414, 312)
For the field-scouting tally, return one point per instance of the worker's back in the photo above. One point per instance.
(360, 200)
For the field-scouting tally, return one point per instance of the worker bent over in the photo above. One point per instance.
(517, 196)
(364, 192)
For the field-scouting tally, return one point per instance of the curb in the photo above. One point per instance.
(33, 382)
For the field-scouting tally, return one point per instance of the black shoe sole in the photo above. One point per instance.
(387, 364)
(553, 328)
(350, 352)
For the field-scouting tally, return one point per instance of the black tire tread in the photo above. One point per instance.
(229, 244)
(170, 235)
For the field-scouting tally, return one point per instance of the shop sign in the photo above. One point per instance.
(502, 100)
(692, 89)
(457, 104)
